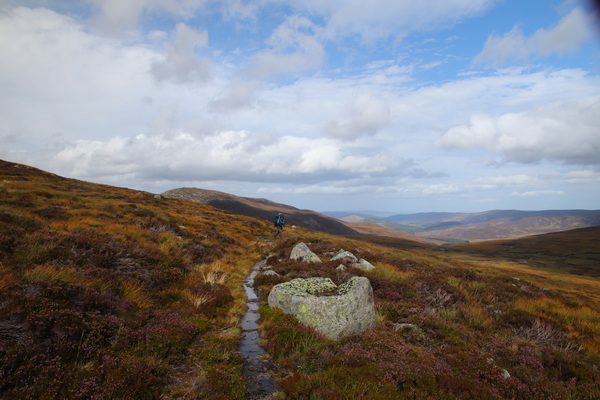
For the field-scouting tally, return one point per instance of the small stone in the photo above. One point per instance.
(270, 272)
(341, 267)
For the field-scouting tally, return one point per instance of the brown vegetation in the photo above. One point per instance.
(112, 293)
(573, 252)
(263, 209)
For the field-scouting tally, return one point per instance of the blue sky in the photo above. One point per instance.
(387, 105)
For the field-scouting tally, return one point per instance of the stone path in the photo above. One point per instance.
(261, 384)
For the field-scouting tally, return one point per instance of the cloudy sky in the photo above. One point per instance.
(388, 105)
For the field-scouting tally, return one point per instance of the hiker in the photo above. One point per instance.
(279, 223)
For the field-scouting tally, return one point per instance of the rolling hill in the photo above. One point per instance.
(115, 293)
(574, 252)
(263, 209)
(380, 230)
(488, 225)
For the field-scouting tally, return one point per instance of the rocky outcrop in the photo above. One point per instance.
(351, 260)
(301, 252)
(334, 311)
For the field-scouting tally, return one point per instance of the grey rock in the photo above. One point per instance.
(334, 311)
(363, 265)
(270, 272)
(342, 254)
(301, 252)
(341, 267)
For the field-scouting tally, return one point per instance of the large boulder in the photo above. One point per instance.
(301, 252)
(334, 311)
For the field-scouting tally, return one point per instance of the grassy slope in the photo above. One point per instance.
(472, 325)
(112, 293)
(507, 227)
(381, 230)
(574, 252)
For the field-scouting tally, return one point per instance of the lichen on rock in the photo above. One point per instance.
(301, 252)
(334, 311)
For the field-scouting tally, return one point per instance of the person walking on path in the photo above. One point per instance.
(279, 223)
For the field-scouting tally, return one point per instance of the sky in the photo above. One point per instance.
(396, 106)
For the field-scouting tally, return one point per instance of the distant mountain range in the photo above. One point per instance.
(488, 225)
(433, 228)
(262, 208)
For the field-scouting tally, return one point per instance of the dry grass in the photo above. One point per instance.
(134, 291)
(196, 300)
(581, 322)
(6, 278)
(154, 290)
(564, 282)
(113, 274)
(48, 272)
(387, 271)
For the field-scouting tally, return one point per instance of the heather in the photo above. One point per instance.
(112, 293)
(445, 330)
(107, 292)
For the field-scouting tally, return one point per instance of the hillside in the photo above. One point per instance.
(572, 252)
(108, 292)
(495, 224)
(262, 208)
(111, 293)
(381, 230)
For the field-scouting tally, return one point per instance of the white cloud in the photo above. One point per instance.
(442, 188)
(321, 189)
(180, 63)
(293, 47)
(568, 132)
(383, 18)
(319, 99)
(366, 114)
(58, 78)
(582, 176)
(535, 193)
(240, 94)
(223, 155)
(116, 17)
(570, 33)
(509, 180)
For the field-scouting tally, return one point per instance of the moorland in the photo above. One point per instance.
(109, 292)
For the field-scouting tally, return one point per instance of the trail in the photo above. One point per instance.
(261, 384)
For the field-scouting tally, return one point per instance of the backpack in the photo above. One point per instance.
(279, 221)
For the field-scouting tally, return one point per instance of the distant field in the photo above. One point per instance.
(387, 234)
(574, 252)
